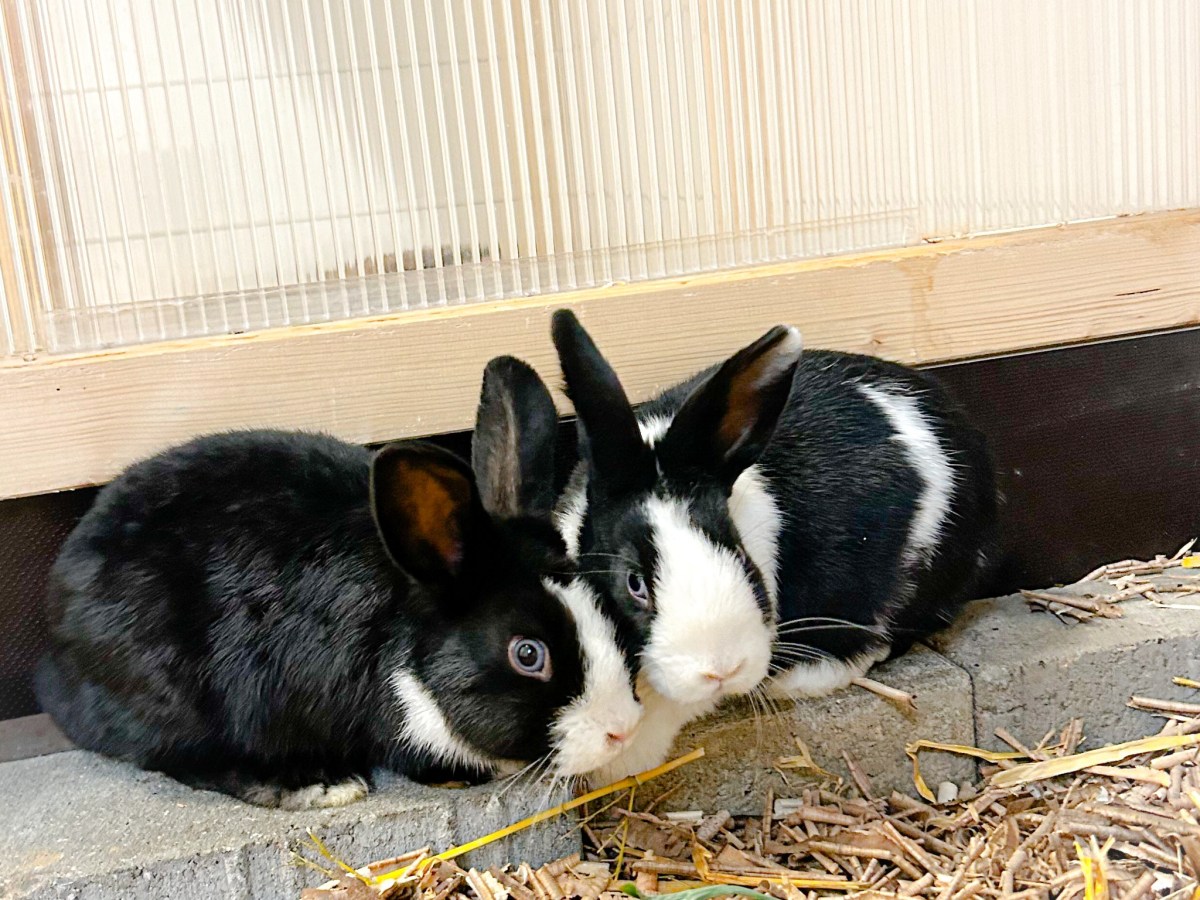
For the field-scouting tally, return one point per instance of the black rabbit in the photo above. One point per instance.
(273, 614)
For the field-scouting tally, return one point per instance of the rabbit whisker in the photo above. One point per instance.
(823, 620)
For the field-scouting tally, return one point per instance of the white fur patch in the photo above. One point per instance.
(915, 433)
(758, 523)
(571, 510)
(782, 356)
(313, 796)
(652, 745)
(816, 679)
(426, 728)
(654, 428)
(607, 706)
(324, 796)
(707, 621)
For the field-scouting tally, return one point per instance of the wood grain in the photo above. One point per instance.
(78, 420)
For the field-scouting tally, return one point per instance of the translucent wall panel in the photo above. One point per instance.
(186, 167)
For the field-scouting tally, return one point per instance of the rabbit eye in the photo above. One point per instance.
(741, 555)
(637, 588)
(529, 657)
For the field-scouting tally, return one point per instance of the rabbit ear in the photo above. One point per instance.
(513, 448)
(609, 436)
(424, 502)
(725, 423)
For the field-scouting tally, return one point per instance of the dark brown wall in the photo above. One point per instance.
(31, 530)
(1098, 450)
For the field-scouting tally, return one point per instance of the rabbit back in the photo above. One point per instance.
(207, 609)
(887, 499)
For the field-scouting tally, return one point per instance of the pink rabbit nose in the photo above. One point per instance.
(617, 737)
(724, 675)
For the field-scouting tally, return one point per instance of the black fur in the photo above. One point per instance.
(515, 438)
(608, 431)
(847, 492)
(227, 612)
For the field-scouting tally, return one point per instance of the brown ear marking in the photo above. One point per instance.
(745, 400)
(423, 499)
(433, 500)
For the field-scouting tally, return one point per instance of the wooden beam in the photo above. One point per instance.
(77, 420)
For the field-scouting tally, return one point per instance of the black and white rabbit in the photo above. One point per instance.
(794, 515)
(274, 614)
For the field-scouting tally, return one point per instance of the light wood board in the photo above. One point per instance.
(70, 421)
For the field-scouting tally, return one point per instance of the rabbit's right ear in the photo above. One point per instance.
(725, 423)
(513, 447)
(610, 439)
(424, 503)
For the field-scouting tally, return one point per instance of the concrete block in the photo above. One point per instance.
(79, 825)
(1032, 672)
(741, 749)
(481, 811)
(214, 876)
(84, 827)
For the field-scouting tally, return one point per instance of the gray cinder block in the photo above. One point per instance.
(1032, 672)
(741, 751)
(82, 826)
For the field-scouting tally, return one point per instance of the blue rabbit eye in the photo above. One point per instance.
(529, 656)
(637, 588)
